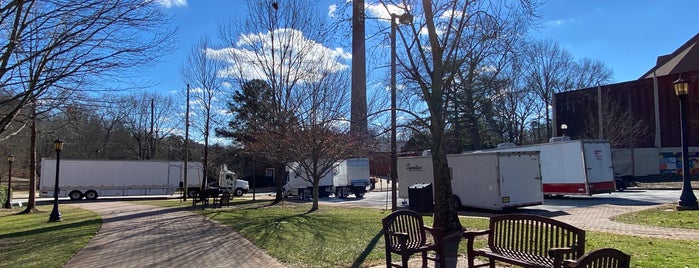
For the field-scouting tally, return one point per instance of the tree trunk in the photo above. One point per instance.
(31, 202)
(316, 181)
(280, 178)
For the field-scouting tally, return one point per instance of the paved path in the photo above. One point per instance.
(598, 218)
(147, 236)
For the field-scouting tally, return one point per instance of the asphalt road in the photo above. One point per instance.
(630, 197)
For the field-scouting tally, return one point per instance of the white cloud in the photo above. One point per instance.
(384, 13)
(452, 13)
(559, 22)
(307, 58)
(331, 10)
(172, 3)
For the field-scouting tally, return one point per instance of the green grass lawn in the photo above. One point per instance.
(28, 240)
(330, 237)
(350, 237)
(665, 216)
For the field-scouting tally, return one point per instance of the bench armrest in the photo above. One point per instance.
(402, 238)
(471, 236)
(437, 233)
(557, 255)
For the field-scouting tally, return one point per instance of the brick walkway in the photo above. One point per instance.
(598, 218)
(147, 236)
(139, 236)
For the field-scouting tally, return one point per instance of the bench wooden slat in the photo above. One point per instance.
(528, 240)
(405, 234)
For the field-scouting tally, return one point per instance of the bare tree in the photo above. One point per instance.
(148, 118)
(487, 51)
(432, 62)
(58, 47)
(202, 72)
(513, 104)
(620, 127)
(282, 44)
(589, 73)
(549, 70)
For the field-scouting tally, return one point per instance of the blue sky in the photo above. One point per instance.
(626, 35)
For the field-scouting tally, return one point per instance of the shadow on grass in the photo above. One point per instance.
(369, 248)
(51, 228)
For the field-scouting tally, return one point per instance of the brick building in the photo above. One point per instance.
(643, 115)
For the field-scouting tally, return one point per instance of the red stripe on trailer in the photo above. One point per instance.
(564, 188)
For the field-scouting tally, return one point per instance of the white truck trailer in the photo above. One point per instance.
(299, 183)
(493, 181)
(93, 178)
(572, 167)
(351, 177)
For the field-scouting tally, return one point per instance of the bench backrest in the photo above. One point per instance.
(407, 222)
(535, 235)
(225, 199)
(601, 258)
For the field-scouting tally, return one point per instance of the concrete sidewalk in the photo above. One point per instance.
(147, 236)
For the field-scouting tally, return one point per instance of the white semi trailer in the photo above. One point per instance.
(572, 167)
(493, 181)
(299, 183)
(91, 179)
(351, 177)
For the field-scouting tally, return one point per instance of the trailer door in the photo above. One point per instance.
(520, 179)
(599, 168)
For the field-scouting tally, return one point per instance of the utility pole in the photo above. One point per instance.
(186, 147)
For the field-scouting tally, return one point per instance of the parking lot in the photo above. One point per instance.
(630, 197)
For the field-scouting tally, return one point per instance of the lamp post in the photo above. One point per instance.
(405, 18)
(688, 201)
(8, 200)
(564, 127)
(55, 214)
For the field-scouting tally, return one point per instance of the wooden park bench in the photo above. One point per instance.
(405, 234)
(202, 198)
(527, 241)
(224, 200)
(601, 258)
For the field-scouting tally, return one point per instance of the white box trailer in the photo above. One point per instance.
(493, 181)
(94, 178)
(572, 167)
(351, 177)
(299, 182)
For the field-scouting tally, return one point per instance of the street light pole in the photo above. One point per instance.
(406, 18)
(8, 200)
(688, 201)
(564, 127)
(55, 214)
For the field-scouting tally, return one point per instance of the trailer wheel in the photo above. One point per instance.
(620, 184)
(91, 195)
(75, 195)
(238, 192)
